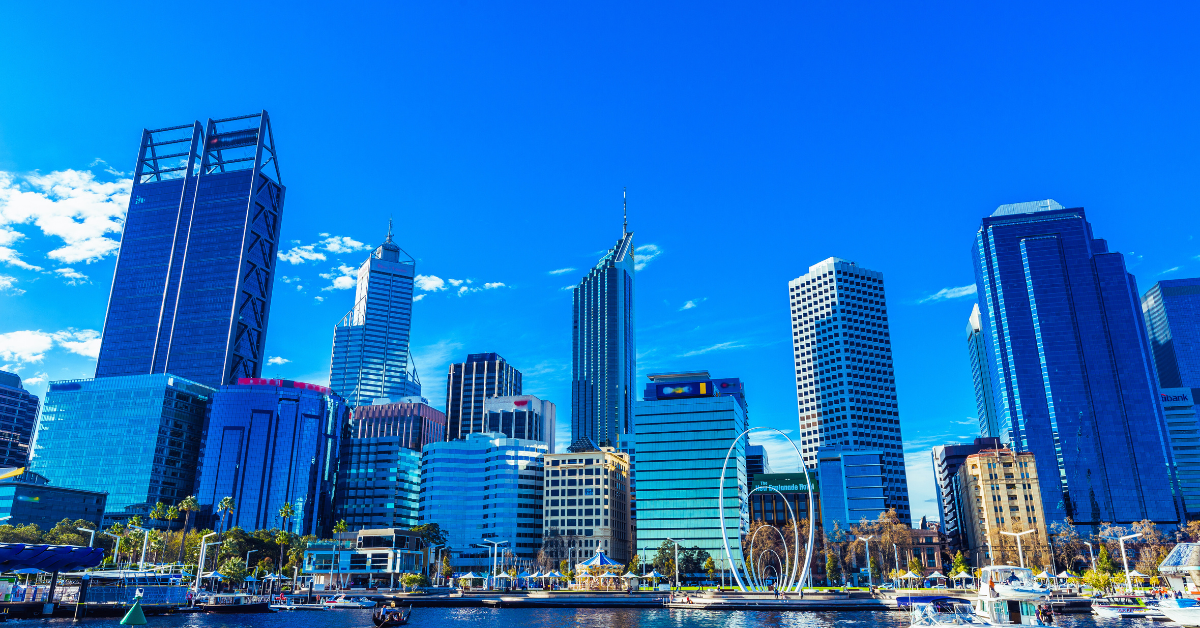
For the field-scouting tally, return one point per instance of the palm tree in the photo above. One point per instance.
(286, 511)
(225, 506)
(187, 506)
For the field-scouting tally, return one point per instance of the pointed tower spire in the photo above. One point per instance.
(389, 238)
(625, 210)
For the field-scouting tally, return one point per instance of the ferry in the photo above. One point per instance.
(1011, 595)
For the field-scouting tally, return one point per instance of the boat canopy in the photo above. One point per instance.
(1183, 558)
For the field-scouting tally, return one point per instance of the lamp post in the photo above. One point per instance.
(145, 541)
(1124, 562)
(1091, 554)
(116, 546)
(676, 562)
(248, 559)
(200, 562)
(1020, 553)
(495, 551)
(896, 559)
(433, 559)
(867, 541)
(92, 539)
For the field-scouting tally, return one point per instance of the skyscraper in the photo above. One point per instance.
(845, 386)
(981, 374)
(18, 417)
(468, 384)
(370, 344)
(1071, 366)
(604, 350)
(1172, 312)
(521, 416)
(191, 292)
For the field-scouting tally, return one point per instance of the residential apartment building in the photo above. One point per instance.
(1005, 495)
(587, 503)
(469, 383)
(946, 461)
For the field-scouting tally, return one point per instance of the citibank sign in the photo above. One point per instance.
(1176, 396)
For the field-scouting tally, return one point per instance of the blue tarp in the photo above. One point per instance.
(48, 558)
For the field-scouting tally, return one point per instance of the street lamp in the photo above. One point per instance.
(495, 551)
(248, 559)
(200, 561)
(91, 540)
(145, 541)
(1124, 562)
(991, 554)
(1091, 554)
(676, 562)
(1019, 535)
(433, 560)
(867, 541)
(116, 546)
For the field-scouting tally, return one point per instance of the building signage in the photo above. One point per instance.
(1176, 396)
(685, 390)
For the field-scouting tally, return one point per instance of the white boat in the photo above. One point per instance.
(1011, 582)
(1010, 595)
(1184, 611)
(1125, 607)
(342, 601)
(946, 614)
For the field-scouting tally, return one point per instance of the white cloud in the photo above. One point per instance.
(692, 304)
(301, 254)
(70, 205)
(950, 293)
(71, 276)
(7, 284)
(435, 358)
(286, 279)
(278, 360)
(312, 252)
(319, 299)
(496, 284)
(344, 277)
(561, 271)
(463, 290)
(645, 254)
(419, 297)
(456, 282)
(299, 288)
(36, 380)
(85, 342)
(1169, 270)
(717, 347)
(570, 287)
(781, 456)
(344, 244)
(30, 346)
(9, 255)
(429, 283)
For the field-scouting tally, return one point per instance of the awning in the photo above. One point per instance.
(48, 558)
(599, 560)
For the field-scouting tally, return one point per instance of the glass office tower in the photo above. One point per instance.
(1072, 366)
(1172, 312)
(271, 442)
(845, 385)
(981, 374)
(1181, 410)
(18, 416)
(468, 384)
(191, 292)
(686, 423)
(604, 351)
(371, 361)
(136, 438)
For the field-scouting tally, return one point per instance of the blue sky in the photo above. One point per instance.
(755, 140)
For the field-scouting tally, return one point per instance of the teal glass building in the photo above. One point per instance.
(134, 437)
(191, 293)
(371, 362)
(685, 425)
(484, 487)
(271, 442)
(1072, 367)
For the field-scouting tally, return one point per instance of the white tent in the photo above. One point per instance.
(908, 575)
(1064, 575)
(1042, 576)
(1135, 574)
(630, 574)
(936, 574)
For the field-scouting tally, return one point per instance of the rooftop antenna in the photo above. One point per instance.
(389, 238)
(625, 210)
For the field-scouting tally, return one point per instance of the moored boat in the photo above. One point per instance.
(1011, 595)
(344, 602)
(1125, 606)
(234, 603)
(389, 616)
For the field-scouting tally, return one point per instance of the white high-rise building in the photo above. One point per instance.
(845, 387)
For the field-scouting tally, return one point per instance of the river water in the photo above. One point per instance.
(566, 617)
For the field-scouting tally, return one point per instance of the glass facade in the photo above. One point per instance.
(379, 474)
(845, 385)
(1072, 370)
(981, 375)
(271, 442)
(681, 445)
(521, 416)
(603, 349)
(136, 438)
(18, 416)
(1172, 312)
(771, 494)
(486, 486)
(371, 361)
(852, 485)
(756, 461)
(1181, 410)
(191, 292)
(468, 384)
(28, 499)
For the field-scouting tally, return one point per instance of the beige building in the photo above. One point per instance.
(586, 504)
(1000, 494)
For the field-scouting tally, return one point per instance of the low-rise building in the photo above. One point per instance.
(946, 461)
(587, 503)
(1001, 487)
(27, 497)
(364, 559)
(928, 546)
(768, 492)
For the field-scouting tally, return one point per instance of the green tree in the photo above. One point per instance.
(664, 560)
(833, 567)
(447, 570)
(960, 564)
(66, 532)
(563, 566)
(29, 533)
(1104, 564)
(136, 520)
(234, 569)
(710, 568)
(159, 512)
(1098, 579)
(915, 566)
(634, 564)
(225, 507)
(414, 580)
(691, 561)
(187, 506)
(431, 533)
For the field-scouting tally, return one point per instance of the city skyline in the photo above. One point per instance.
(508, 191)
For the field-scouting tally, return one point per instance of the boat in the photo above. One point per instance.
(342, 601)
(944, 613)
(234, 603)
(1183, 611)
(1125, 606)
(1011, 595)
(1180, 569)
(1010, 582)
(388, 616)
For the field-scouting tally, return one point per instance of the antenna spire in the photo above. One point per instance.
(625, 210)
(389, 238)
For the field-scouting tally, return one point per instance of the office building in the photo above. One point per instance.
(1172, 312)
(469, 383)
(604, 349)
(587, 503)
(1003, 495)
(271, 442)
(520, 416)
(134, 437)
(772, 494)
(29, 498)
(685, 426)
(845, 385)
(191, 293)
(364, 559)
(379, 470)
(1073, 376)
(981, 374)
(485, 486)
(946, 461)
(756, 462)
(852, 485)
(371, 361)
(1179, 405)
(18, 417)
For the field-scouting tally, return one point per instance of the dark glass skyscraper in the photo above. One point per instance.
(1172, 312)
(191, 292)
(18, 417)
(1073, 380)
(271, 442)
(370, 344)
(604, 350)
(468, 384)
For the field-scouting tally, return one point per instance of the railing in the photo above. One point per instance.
(164, 594)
